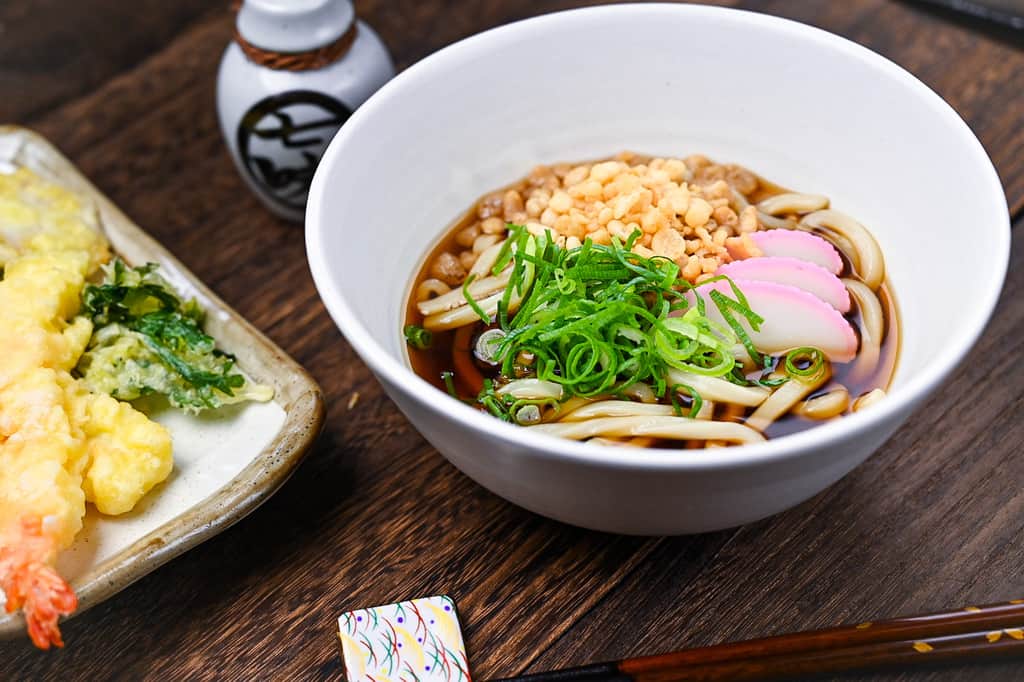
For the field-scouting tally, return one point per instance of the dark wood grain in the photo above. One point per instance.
(54, 50)
(935, 519)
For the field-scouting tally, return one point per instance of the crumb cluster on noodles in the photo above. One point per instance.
(685, 209)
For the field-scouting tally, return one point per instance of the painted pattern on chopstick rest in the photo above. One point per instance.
(412, 641)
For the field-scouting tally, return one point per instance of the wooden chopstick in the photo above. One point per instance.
(967, 634)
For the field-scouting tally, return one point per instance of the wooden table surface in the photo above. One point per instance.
(934, 519)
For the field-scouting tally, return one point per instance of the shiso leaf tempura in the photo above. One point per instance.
(146, 340)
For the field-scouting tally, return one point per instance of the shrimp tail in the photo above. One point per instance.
(31, 584)
(43, 597)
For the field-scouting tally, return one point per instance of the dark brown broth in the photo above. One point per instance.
(430, 364)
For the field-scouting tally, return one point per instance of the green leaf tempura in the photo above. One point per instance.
(146, 340)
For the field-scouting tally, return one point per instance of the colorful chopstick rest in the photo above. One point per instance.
(411, 641)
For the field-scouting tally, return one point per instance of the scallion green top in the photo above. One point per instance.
(596, 319)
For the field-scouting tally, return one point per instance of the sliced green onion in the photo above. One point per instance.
(505, 252)
(418, 337)
(488, 345)
(503, 311)
(493, 402)
(813, 358)
(472, 301)
(527, 414)
(598, 318)
(696, 401)
(448, 377)
(725, 306)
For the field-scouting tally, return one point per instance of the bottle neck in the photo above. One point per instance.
(294, 26)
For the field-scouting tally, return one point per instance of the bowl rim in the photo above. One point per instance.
(903, 399)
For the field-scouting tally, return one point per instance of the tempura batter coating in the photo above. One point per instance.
(128, 454)
(56, 437)
(43, 458)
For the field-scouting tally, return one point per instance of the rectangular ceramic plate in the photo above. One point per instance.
(225, 464)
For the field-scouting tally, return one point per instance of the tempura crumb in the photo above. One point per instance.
(682, 209)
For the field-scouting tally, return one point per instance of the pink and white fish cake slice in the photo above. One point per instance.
(411, 641)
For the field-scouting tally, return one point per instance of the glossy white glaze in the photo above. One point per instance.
(800, 106)
(317, 102)
(294, 25)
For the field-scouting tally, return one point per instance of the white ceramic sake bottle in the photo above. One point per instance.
(293, 76)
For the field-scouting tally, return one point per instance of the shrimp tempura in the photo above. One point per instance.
(53, 432)
(42, 452)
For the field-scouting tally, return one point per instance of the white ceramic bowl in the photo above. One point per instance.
(800, 106)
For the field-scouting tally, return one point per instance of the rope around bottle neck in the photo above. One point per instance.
(309, 60)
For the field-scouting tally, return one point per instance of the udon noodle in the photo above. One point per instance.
(655, 302)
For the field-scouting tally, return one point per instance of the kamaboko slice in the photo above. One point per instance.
(793, 318)
(801, 274)
(791, 244)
